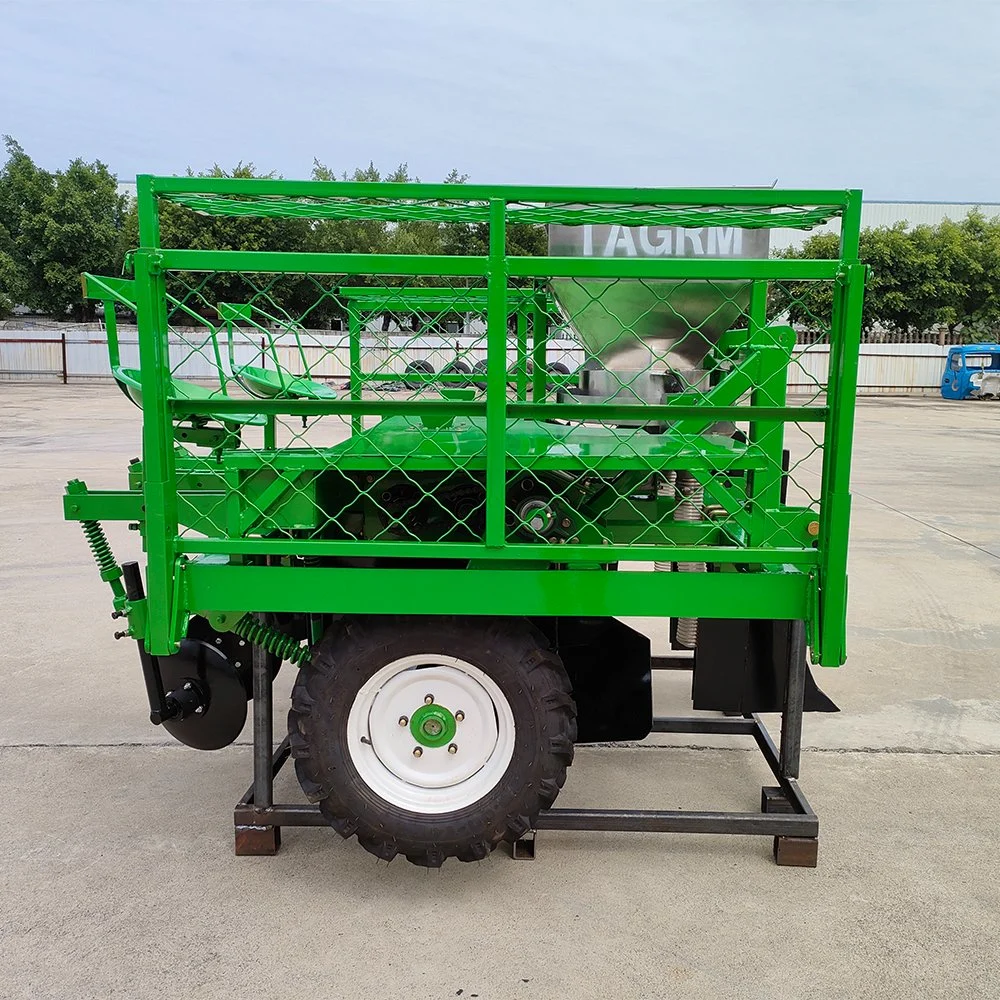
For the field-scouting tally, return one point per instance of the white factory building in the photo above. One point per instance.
(887, 213)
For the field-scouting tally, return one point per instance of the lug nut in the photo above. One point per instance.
(453, 748)
(428, 699)
(460, 716)
(403, 720)
(417, 752)
(199, 710)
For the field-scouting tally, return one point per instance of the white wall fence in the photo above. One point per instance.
(78, 352)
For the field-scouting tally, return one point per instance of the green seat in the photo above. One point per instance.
(272, 384)
(130, 383)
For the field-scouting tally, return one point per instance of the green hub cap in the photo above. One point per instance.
(433, 726)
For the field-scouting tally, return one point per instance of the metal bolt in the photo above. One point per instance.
(218, 641)
(403, 720)
(813, 528)
(460, 716)
(121, 635)
(417, 752)
(566, 522)
(118, 614)
(452, 748)
(199, 710)
(187, 686)
(428, 699)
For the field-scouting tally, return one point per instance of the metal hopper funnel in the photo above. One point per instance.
(652, 326)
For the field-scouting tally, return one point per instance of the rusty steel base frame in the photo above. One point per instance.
(785, 813)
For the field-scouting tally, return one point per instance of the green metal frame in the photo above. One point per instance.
(800, 574)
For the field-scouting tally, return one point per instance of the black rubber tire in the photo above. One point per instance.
(479, 369)
(418, 367)
(456, 368)
(514, 653)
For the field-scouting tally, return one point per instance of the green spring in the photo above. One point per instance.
(273, 640)
(98, 543)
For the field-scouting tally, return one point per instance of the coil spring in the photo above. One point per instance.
(692, 495)
(270, 638)
(99, 545)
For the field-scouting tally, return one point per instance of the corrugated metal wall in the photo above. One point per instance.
(882, 367)
(29, 354)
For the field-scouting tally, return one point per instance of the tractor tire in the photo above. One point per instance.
(456, 368)
(432, 736)
(418, 367)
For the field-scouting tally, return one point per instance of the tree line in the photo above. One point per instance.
(924, 280)
(56, 224)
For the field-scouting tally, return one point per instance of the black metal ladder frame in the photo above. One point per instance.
(785, 813)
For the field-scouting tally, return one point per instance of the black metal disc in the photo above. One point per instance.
(209, 669)
(238, 651)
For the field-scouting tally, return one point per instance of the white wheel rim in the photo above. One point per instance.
(437, 780)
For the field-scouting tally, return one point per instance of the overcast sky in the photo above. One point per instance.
(900, 98)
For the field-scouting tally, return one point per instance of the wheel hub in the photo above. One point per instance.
(431, 733)
(433, 726)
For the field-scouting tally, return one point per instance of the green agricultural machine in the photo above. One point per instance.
(440, 485)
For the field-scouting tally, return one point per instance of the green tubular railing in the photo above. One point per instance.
(778, 560)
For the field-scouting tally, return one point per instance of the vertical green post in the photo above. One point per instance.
(771, 390)
(496, 376)
(159, 486)
(539, 345)
(522, 354)
(354, 348)
(835, 504)
(111, 332)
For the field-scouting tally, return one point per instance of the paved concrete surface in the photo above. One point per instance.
(116, 872)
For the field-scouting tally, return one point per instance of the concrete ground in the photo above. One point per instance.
(117, 877)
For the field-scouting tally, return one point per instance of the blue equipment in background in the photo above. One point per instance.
(972, 371)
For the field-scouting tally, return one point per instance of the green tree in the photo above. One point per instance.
(56, 225)
(923, 277)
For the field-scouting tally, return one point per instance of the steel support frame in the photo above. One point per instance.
(785, 814)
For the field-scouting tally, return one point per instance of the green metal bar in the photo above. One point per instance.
(539, 411)
(493, 591)
(496, 378)
(835, 510)
(283, 262)
(317, 408)
(521, 355)
(539, 347)
(534, 411)
(771, 391)
(472, 297)
(850, 227)
(677, 268)
(666, 411)
(111, 332)
(589, 554)
(354, 328)
(148, 211)
(520, 193)
(121, 290)
(159, 488)
(103, 505)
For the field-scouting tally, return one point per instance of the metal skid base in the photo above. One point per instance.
(785, 814)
